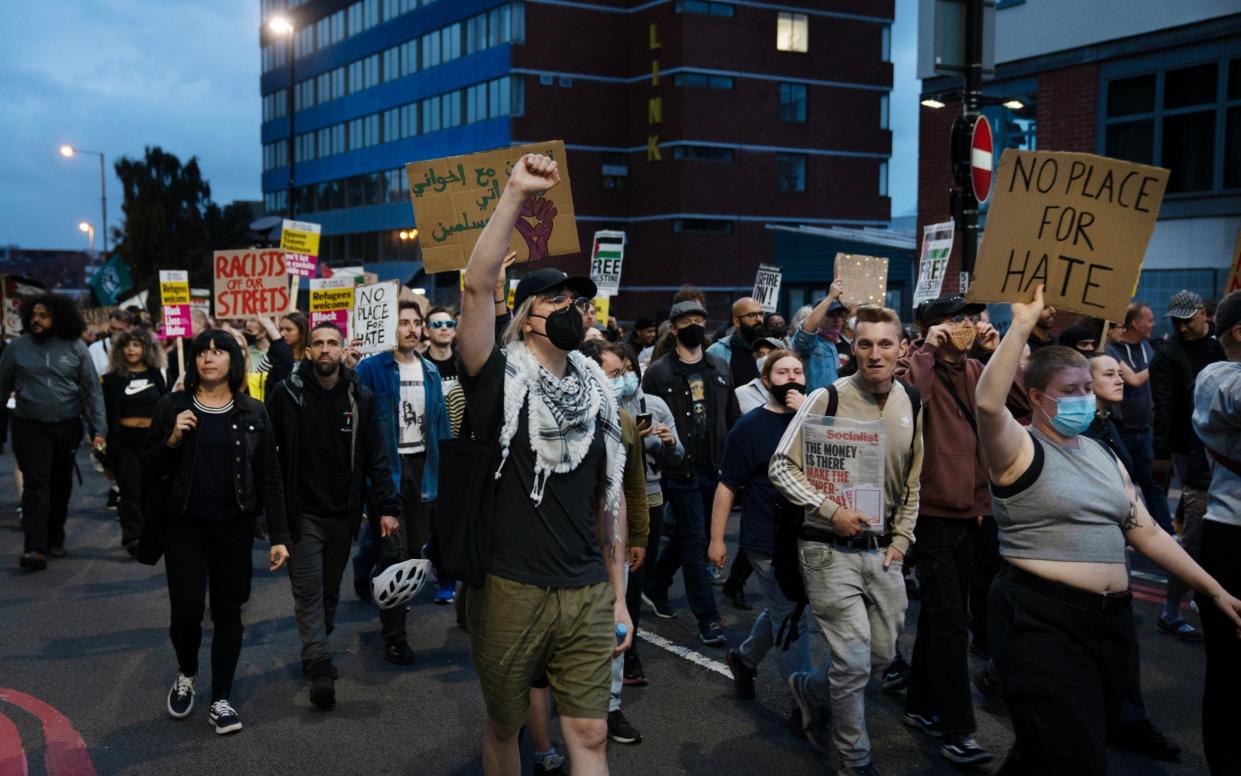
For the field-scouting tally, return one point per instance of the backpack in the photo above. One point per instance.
(785, 560)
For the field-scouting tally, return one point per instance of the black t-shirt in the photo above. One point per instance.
(134, 393)
(700, 422)
(212, 495)
(1203, 352)
(325, 445)
(748, 449)
(553, 544)
(741, 362)
(447, 369)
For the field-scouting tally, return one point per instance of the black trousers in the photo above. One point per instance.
(124, 451)
(201, 555)
(1064, 668)
(415, 530)
(939, 681)
(986, 566)
(1221, 716)
(45, 453)
(637, 579)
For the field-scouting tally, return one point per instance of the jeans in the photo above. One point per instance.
(633, 592)
(124, 448)
(316, 562)
(1221, 717)
(415, 530)
(1141, 447)
(767, 625)
(859, 606)
(45, 453)
(618, 662)
(202, 555)
(687, 546)
(939, 681)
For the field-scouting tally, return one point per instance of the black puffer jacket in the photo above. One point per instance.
(256, 471)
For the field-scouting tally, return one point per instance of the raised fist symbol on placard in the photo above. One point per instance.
(537, 234)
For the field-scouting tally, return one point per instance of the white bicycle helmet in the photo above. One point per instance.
(398, 583)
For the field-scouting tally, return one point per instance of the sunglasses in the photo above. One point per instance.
(450, 324)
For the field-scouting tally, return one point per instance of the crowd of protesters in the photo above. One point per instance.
(556, 474)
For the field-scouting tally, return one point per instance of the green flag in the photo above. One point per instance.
(112, 280)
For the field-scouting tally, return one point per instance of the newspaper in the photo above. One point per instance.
(844, 459)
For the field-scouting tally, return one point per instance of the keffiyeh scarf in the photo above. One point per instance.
(563, 414)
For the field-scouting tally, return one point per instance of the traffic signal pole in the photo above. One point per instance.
(964, 205)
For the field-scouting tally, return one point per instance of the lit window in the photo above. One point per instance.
(792, 32)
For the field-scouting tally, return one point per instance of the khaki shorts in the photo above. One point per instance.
(519, 632)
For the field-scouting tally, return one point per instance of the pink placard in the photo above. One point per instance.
(175, 321)
(338, 317)
(300, 264)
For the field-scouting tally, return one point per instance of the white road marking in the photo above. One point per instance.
(697, 658)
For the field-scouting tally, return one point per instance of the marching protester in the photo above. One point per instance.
(819, 342)
(749, 447)
(953, 505)
(747, 323)
(1217, 421)
(1173, 371)
(286, 346)
(851, 568)
(1061, 610)
(1136, 413)
(132, 385)
(553, 597)
(55, 382)
(333, 461)
(697, 386)
(441, 331)
(119, 321)
(754, 394)
(210, 465)
(411, 408)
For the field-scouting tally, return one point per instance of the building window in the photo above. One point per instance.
(430, 49)
(702, 226)
(431, 114)
(883, 178)
(793, 103)
(703, 81)
(885, 110)
(1171, 118)
(700, 153)
(704, 8)
(790, 172)
(885, 44)
(792, 32)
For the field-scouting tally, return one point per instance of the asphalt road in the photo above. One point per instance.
(88, 638)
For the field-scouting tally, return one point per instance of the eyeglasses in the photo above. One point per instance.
(582, 303)
(448, 324)
(960, 318)
(750, 316)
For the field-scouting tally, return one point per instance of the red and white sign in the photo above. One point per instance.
(981, 154)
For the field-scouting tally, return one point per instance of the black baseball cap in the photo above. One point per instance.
(1228, 313)
(945, 306)
(551, 279)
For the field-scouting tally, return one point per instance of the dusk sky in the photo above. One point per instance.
(118, 75)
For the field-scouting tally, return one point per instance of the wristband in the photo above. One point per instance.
(500, 301)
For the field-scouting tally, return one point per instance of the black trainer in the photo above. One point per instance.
(896, 675)
(399, 652)
(323, 684)
(620, 731)
(712, 634)
(224, 717)
(634, 675)
(927, 723)
(964, 750)
(659, 604)
(33, 560)
(743, 675)
(181, 697)
(58, 551)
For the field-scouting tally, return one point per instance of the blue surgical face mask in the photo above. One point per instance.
(631, 385)
(618, 386)
(1074, 414)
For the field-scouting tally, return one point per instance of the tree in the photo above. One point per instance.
(170, 221)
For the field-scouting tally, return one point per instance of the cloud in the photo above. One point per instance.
(116, 76)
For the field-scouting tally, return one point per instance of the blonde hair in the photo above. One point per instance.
(516, 329)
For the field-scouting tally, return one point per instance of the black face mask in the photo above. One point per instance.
(781, 392)
(692, 336)
(564, 327)
(778, 332)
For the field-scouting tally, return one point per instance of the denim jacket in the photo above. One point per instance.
(382, 375)
(821, 357)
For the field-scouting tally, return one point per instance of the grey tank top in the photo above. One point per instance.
(1069, 505)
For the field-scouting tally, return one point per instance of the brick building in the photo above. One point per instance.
(692, 125)
(1142, 80)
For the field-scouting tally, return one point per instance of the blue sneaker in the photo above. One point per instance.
(446, 594)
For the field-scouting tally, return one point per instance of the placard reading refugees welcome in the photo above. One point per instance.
(331, 300)
(1077, 223)
(174, 299)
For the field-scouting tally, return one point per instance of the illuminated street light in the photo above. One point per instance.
(90, 234)
(931, 102)
(1013, 104)
(69, 151)
(280, 26)
(66, 151)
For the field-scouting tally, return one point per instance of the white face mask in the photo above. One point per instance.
(759, 362)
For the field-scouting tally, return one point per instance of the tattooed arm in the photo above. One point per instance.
(611, 531)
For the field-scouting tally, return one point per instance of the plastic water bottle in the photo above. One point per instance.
(622, 631)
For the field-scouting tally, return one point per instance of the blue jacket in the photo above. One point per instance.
(382, 375)
(821, 357)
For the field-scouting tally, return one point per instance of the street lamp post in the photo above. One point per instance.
(68, 151)
(90, 234)
(282, 26)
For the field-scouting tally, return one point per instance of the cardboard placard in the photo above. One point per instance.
(606, 257)
(174, 300)
(375, 313)
(767, 286)
(96, 317)
(454, 198)
(250, 282)
(865, 278)
(300, 242)
(1234, 280)
(1077, 223)
(331, 299)
(933, 264)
